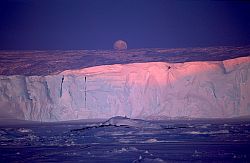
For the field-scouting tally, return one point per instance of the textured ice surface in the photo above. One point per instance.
(153, 90)
(54, 61)
(177, 141)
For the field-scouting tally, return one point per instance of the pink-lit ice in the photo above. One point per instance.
(153, 90)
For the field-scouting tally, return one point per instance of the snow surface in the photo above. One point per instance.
(49, 62)
(153, 90)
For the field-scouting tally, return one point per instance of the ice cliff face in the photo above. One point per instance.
(139, 90)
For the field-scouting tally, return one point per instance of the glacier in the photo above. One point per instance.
(151, 90)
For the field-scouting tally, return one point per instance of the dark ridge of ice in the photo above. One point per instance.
(124, 121)
(119, 121)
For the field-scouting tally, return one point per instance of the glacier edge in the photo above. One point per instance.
(153, 90)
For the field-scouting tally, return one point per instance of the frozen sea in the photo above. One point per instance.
(213, 140)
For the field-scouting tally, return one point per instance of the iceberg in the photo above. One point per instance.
(151, 90)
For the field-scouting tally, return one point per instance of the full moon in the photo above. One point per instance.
(120, 45)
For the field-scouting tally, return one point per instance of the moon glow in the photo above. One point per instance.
(120, 45)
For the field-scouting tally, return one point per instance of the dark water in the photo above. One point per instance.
(175, 141)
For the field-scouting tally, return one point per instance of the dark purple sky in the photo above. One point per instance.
(96, 24)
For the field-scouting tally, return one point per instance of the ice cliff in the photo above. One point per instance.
(150, 90)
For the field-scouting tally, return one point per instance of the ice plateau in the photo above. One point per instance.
(152, 90)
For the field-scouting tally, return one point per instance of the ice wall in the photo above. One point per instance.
(154, 90)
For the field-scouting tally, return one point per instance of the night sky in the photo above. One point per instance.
(96, 24)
